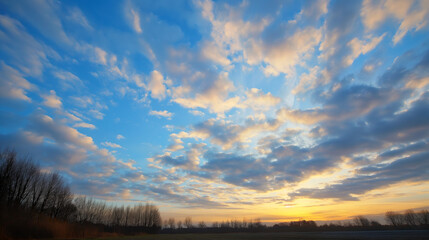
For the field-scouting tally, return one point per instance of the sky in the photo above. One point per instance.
(278, 110)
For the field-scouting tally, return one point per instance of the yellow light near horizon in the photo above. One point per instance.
(399, 198)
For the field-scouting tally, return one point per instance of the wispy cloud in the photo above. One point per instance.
(163, 113)
(111, 145)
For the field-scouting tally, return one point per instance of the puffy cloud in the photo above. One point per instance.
(256, 99)
(176, 145)
(283, 56)
(52, 100)
(229, 32)
(214, 97)
(227, 135)
(163, 113)
(46, 126)
(214, 53)
(156, 85)
(119, 137)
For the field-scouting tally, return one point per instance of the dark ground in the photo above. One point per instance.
(373, 235)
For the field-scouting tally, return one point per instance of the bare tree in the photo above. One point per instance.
(117, 216)
(179, 224)
(171, 223)
(410, 218)
(361, 221)
(202, 224)
(423, 217)
(215, 224)
(188, 222)
(394, 218)
(22, 184)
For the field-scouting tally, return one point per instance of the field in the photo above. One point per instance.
(375, 235)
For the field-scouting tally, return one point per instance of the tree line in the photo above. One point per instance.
(186, 225)
(29, 197)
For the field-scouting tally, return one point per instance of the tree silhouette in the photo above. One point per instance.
(188, 222)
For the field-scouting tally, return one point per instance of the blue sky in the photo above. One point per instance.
(270, 109)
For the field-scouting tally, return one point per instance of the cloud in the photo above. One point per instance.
(69, 80)
(119, 137)
(359, 47)
(338, 28)
(314, 10)
(405, 169)
(174, 194)
(96, 114)
(111, 145)
(84, 125)
(156, 85)
(14, 85)
(100, 56)
(402, 151)
(409, 69)
(62, 148)
(357, 125)
(214, 53)
(373, 14)
(345, 103)
(411, 17)
(136, 21)
(283, 56)
(163, 113)
(214, 97)
(77, 16)
(46, 126)
(52, 100)
(229, 32)
(44, 16)
(196, 113)
(17, 42)
(176, 145)
(72, 117)
(308, 81)
(257, 100)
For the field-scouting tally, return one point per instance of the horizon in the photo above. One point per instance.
(278, 110)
